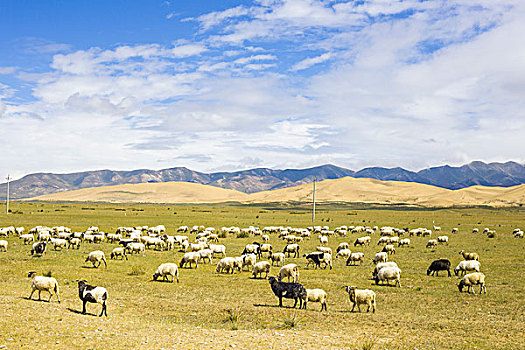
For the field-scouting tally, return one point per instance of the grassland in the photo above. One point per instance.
(426, 313)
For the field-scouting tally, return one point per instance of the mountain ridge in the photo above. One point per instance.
(264, 179)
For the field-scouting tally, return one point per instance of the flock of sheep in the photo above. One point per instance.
(205, 247)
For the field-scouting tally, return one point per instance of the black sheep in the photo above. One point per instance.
(294, 291)
(314, 258)
(439, 265)
(92, 294)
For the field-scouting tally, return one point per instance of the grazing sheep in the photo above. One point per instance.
(92, 294)
(265, 238)
(58, 243)
(342, 246)
(355, 257)
(228, 264)
(343, 253)
(432, 243)
(165, 270)
(360, 297)
(383, 240)
(314, 258)
(288, 290)
(380, 257)
(323, 240)
(455, 230)
(266, 248)
(362, 241)
(39, 248)
(97, 256)
(248, 260)
(289, 270)
(292, 248)
(206, 254)
(443, 239)
(277, 257)
(518, 234)
(404, 242)
(254, 248)
(439, 265)
(3, 245)
(74, 242)
(218, 249)
(316, 296)
(260, 268)
(389, 248)
(469, 256)
(467, 265)
(383, 265)
(324, 250)
(40, 283)
(120, 251)
(471, 280)
(189, 258)
(387, 274)
(136, 247)
(27, 238)
(476, 230)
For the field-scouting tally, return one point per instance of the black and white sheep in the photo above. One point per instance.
(292, 248)
(3, 245)
(439, 265)
(92, 294)
(294, 291)
(40, 283)
(39, 248)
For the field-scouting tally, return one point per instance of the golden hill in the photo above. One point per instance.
(341, 190)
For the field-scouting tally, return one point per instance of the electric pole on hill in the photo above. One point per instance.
(313, 211)
(7, 197)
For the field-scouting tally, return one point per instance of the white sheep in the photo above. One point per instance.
(165, 270)
(277, 257)
(206, 254)
(324, 250)
(290, 271)
(228, 264)
(248, 260)
(59, 243)
(316, 296)
(443, 239)
(343, 253)
(97, 256)
(355, 257)
(260, 268)
(3, 245)
(27, 238)
(471, 280)
(382, 265)
(467, 265)
(404, 242)
(218, 249)
(75, 242)
(323, 240)
(41, 283)
(119, 251)
(389, 248)
(189, 258)
(432, 243)
(388, 274)
(136, 247)
(380, 257)
(265, 238)
(360, 297)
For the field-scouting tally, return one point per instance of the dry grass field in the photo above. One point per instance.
(207, 310)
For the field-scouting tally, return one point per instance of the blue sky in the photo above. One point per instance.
(228, 85)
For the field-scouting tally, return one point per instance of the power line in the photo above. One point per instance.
(7, 201)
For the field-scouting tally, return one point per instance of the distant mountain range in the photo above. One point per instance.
(263, 179)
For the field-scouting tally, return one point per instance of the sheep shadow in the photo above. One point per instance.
(36, 300)
(78, 312)
(275, 306)
(89, 267)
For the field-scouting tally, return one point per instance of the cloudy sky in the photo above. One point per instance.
(228, 85)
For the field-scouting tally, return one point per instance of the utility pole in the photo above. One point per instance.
(313, 211)
(7, 210)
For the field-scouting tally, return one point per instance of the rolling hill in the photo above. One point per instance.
(337, 190)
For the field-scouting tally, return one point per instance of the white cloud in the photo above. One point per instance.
(311, 61)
